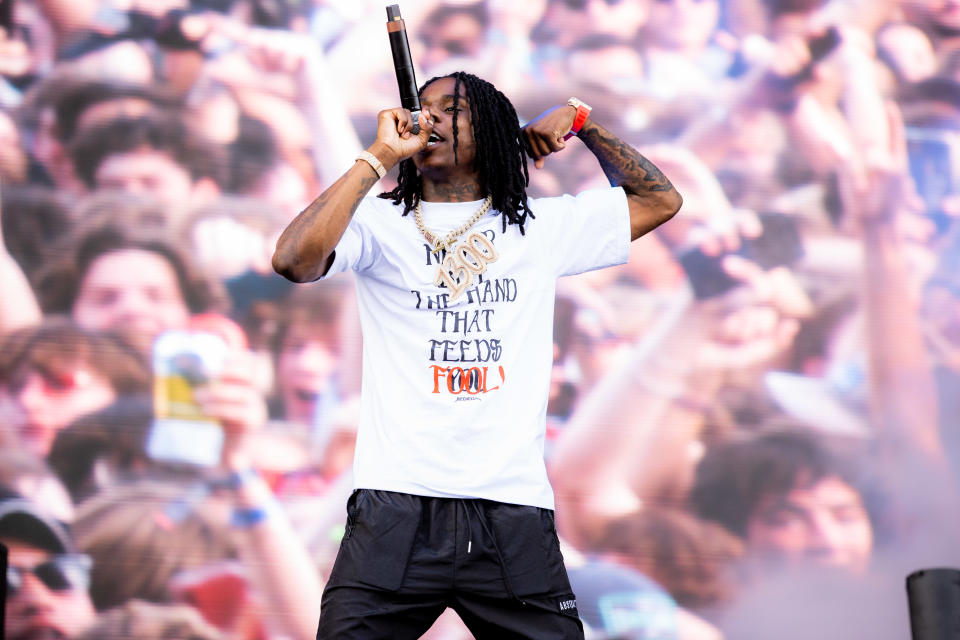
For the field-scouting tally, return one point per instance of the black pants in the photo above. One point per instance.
(404, 559)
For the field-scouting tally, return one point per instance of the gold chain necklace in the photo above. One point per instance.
(444, 243)
(468, 259)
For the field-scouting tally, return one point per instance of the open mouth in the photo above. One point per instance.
(434, 139)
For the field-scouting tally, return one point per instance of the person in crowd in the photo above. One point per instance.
(141, 534)
(566, 21)
(258, 171)
(791, 501)
(306, 348)
(124, 273)
(458, 33)
(47, 577)
(143, 537)
(53, 373)
(62, 104)
(156, 156)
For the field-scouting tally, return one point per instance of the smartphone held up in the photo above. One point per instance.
(184, 361)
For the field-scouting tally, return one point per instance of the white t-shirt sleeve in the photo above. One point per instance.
(584, 232)
(358, 247)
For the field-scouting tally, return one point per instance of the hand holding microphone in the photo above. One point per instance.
(395, 138)
(394, 130)
(403, 64)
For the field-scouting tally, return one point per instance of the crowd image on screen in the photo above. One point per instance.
(752, 427)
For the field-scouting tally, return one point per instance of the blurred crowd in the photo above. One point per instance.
(752, 426)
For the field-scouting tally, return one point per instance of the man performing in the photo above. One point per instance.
(452, 506)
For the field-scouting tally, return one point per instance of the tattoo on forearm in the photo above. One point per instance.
(623, 165)
(296, 235)
(298, 228)
(362, 191)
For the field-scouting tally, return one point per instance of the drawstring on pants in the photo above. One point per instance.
(466, 515)
(493, 540)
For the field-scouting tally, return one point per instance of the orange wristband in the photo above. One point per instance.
(583, 112)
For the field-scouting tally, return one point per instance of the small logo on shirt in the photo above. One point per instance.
(465, 399)
(567, 605)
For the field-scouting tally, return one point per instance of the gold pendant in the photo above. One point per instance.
(467, 259)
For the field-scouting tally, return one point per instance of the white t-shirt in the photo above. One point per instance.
(454, 392)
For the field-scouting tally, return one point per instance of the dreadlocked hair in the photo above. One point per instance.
(500, 158)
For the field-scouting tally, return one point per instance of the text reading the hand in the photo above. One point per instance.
(467, 259)
(485, 292)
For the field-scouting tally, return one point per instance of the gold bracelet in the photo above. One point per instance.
(373, 161)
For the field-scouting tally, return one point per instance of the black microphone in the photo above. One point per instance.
(403, 64)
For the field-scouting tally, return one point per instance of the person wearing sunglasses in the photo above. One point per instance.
(56, 372)
(47, 597)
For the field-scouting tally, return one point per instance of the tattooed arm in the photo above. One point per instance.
(651, 197)
(306, 247)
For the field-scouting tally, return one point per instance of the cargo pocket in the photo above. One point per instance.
(523, 536)
(382, 540)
